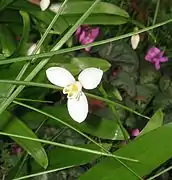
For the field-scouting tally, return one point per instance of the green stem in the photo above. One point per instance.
(115, 113)
(156, 12)
(160, 173)
(69, 147)
(26, 83)
(44, 172)
(67, 50)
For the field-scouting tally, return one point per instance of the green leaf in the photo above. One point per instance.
(8, 72)
(71, 157)
(156, 121)
(124, 81)
(4, 3)
(146, 91)
(85, 62)
(60, 26)
(94, 125)
(76, 64)
(150, 149)
(98, 19)
(14, 126)
(79, 7)
(119, 54)
(7, 41)
(148, 73)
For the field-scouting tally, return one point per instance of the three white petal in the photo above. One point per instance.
(89, 78)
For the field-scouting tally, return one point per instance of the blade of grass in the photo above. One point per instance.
(160, 173)
(70, 147)
(41, 173)
(67, 50)
(59, 88)
(156, 12)
(29, 100)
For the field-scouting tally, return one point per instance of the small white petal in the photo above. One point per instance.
(135, 41)
(78, 109)
(32, 49)
(59, 76)
(54, 7)
(44, 4)
(90, 77)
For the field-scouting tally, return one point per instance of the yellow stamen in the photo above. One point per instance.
(74, 87)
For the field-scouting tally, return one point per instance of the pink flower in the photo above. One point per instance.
(135, 132)
(155, 56)
(16, 149)
(87, 35)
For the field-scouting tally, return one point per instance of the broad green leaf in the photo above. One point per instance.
(70, 15)
(72, 157)
(79, 7)
(146, 91)
(148, 73)
(60, 26)
(76, 64)
(96, 19)
(4, 3)
(97, 126)
(11, 16)
(124, 81)
(70, 67)
(85, 62)
(162, 100)
(119, 54)
(15, 126)
(155, 122)
(151, 149)
(7, 41)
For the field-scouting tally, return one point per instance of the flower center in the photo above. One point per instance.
(73, 91)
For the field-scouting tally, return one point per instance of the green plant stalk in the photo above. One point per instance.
(44, 172)
(59, 88)
(71, 127)
(160, 173)
(115, 113)
(36, 70)
(156, 12)
(69, 147)
(26, 65)
(29, 100)
(67, 50)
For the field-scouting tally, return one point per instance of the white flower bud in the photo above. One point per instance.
(135, 41)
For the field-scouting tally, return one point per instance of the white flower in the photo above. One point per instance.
(44, 4)
(135, 41)
(77, 103)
